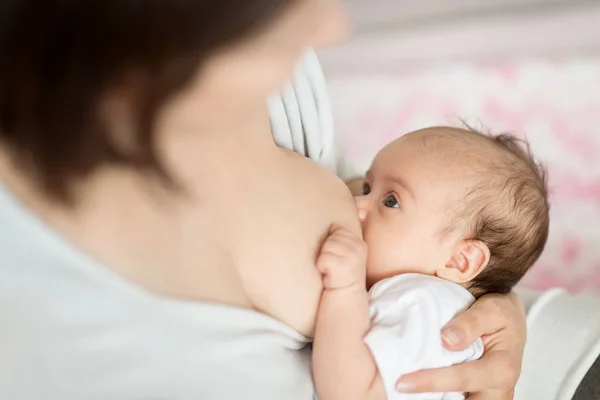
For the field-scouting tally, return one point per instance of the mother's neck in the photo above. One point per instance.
(190, 154)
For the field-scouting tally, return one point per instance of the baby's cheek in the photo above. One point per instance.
(370, 235)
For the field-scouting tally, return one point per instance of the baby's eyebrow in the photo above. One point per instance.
(398, 181)
(402, 183)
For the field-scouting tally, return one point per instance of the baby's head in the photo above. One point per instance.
(454, 203)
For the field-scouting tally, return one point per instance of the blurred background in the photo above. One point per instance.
(530, 67)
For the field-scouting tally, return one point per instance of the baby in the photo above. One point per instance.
(447, 215)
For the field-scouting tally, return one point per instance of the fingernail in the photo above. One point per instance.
(405, 387)
(451, 336)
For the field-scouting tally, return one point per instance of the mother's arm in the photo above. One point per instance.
(500, 321)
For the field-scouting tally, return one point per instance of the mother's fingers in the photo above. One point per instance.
(488, 315)
(496, 371)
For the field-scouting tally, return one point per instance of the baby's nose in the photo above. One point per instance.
(361, 207)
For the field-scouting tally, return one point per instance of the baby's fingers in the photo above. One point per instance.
(336, 247)
(328, 261)
(343, 234)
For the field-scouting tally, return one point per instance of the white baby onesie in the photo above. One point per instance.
(408, 312)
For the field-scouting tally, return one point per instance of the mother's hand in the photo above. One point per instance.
(500, 322)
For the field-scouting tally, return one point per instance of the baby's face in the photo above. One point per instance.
(407, 203)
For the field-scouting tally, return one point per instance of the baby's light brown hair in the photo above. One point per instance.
(506, 207)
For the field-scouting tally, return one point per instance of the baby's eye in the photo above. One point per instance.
(366, 189)
(391, 202)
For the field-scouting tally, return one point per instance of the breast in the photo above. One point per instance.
(280, 228)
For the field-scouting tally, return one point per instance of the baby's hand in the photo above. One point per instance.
(343, 259)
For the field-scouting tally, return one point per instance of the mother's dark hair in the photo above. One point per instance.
(60, 58)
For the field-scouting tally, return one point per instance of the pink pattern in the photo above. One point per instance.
(570, 250)
(575, 189)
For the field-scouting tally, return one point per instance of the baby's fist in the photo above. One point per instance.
(342, 260)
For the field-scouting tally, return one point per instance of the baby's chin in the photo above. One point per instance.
(370, 283)
(374, 276)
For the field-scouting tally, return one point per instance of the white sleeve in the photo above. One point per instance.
(405, 333)
(401, 336)
(563, 341)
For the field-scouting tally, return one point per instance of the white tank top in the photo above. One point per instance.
(71, 329)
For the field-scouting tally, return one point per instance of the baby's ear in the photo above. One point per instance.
(469, 258)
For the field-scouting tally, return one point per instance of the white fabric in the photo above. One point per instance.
(563, 343)
(301, 118)
(70, 329)
(408, 313)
